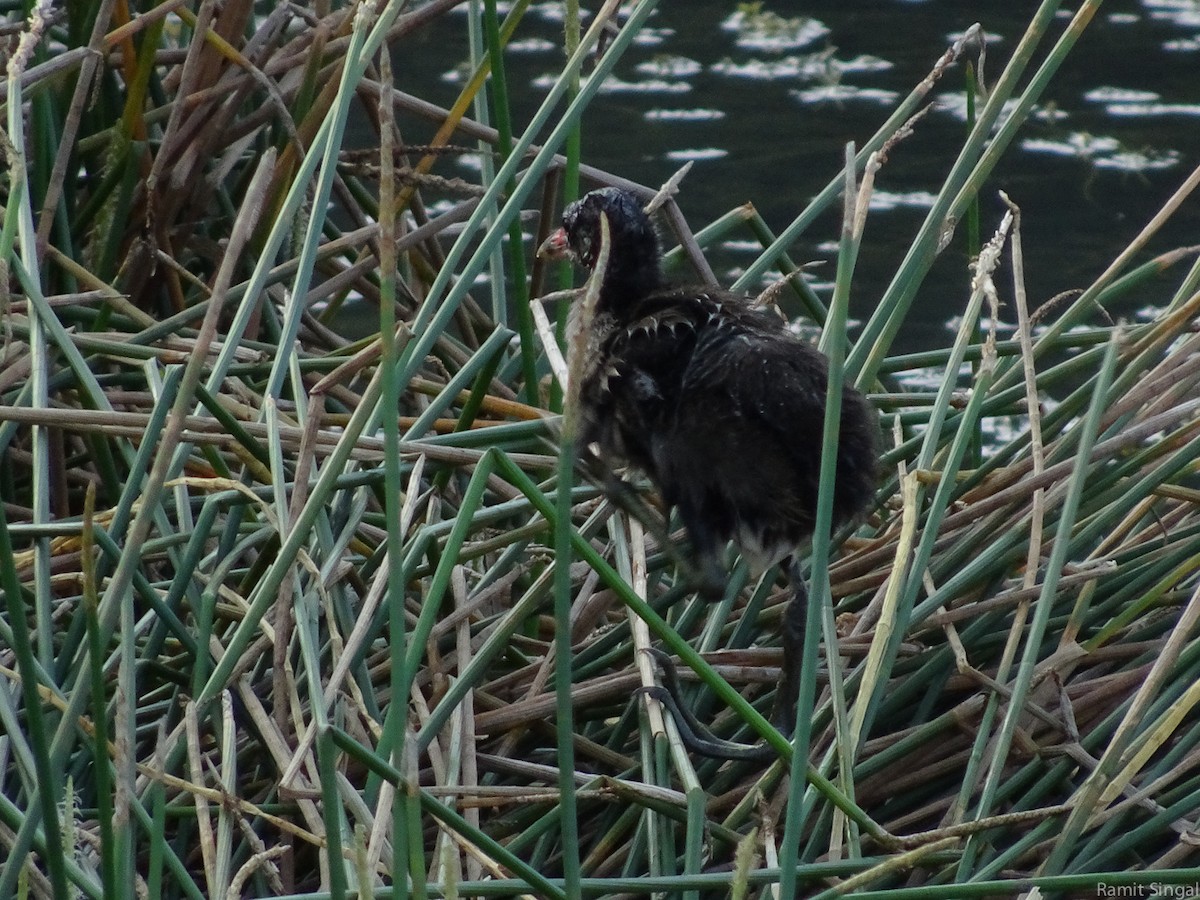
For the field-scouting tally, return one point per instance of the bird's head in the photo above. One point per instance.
(633, 251)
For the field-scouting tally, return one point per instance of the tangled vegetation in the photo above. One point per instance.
(233, 535)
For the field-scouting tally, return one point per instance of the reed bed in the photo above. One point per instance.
(233, 536)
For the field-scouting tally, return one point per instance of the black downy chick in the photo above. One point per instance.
(721, 406)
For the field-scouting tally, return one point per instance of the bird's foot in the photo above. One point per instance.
(696, 736)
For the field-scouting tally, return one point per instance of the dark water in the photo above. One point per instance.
(766, 115)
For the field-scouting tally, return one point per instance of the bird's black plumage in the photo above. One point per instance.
(717, 402)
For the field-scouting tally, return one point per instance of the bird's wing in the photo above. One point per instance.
(634, 382)
(712, 352)
(772, 388)
(766, 375)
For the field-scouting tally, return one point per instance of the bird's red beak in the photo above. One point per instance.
(555, 246)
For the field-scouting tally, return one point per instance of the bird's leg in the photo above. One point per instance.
(795, 619)
(626, 498)
(706, 571)
(696, 735)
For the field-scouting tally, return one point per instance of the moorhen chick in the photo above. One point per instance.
(722, 407)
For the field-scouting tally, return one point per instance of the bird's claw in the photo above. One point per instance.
(695, 735)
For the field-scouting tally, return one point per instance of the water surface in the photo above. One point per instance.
(764, 106)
